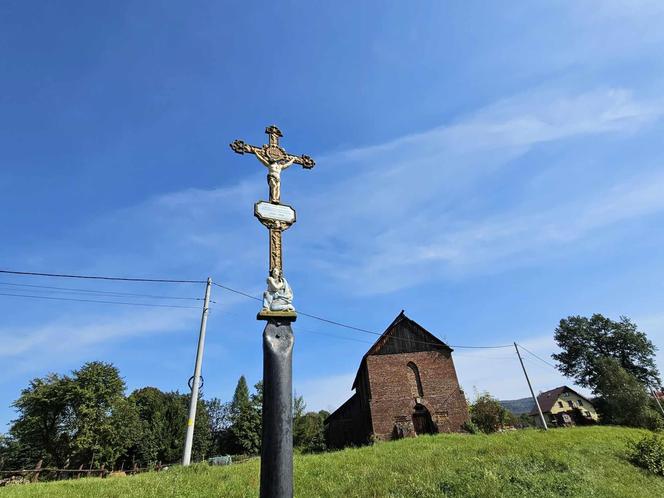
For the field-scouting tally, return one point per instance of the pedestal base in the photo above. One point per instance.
(277, 438)
(289, 316)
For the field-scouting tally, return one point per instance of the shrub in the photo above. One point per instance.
(487, 413)
(648, 453)
(470, 427)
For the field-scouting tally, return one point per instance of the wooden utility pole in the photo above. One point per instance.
(532, 393)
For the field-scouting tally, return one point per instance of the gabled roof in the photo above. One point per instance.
(338, 410)
(429, 342)
(548, 398)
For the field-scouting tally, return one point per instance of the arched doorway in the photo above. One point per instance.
(422, 422)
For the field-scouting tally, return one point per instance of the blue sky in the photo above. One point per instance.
(488, 168)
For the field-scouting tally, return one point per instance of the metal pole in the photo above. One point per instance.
(193, 402)
(654, 395)
(277, 438)
(532, 393)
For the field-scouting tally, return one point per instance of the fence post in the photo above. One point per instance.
(135, 468)
(78, 476)
(35, 476)
(101, 471)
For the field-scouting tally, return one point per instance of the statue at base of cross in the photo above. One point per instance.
(279, 295)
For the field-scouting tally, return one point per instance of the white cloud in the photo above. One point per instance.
(66, 337)
(405, 210)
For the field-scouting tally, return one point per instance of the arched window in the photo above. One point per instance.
(415, 381)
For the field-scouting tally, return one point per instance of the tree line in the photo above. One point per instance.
(86, 418)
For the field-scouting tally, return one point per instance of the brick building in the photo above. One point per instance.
(406, 385)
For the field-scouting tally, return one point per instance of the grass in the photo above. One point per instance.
(580, 462)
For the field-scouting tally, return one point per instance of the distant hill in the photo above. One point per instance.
(518, 406)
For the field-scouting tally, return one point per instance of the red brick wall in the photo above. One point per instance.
(392, 400)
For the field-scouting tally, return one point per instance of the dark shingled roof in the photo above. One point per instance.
(548, 398)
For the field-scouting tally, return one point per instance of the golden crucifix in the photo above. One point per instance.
(275, 158)
(274, 215)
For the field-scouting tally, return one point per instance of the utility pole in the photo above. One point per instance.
(532, 393)
(193, 402)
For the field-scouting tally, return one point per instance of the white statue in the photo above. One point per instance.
(278, 296)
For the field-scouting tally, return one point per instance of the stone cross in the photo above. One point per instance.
(280, 217)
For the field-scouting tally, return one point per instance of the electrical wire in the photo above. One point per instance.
(99, 277)
(358, 329)
(165, 280)
(98, 301)
(78, 290)
(540, 359)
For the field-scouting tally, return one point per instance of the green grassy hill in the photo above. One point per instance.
(579, 462)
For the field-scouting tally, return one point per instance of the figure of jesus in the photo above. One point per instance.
(274, 175)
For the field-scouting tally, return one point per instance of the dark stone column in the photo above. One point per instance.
(277, 441)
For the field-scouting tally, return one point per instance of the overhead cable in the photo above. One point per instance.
(152, 305)
(99, 277)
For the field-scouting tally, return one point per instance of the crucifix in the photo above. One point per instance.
(278, 217)
(278, 311)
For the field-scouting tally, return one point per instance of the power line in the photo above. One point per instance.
(237, 292)
(165, 280)
(98, 301)
(99, 277)
(358, 329)
(539, 358)
(78, 290)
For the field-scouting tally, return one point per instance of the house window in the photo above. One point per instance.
(570, 403)
(580, 402)
(415, 381)
(560, 404)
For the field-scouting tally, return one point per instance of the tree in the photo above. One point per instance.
(584, 341)
(75, 420)
(309, 431)
(487, 413)
(220, 425)
(623, 400)
(44, 428)
(104, 425)
(246, 418)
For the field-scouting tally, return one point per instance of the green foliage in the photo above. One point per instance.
(648, 453)
(104, 424)
(622, 398)
(245, 417)
(584, 341)
(309, 431)
(219, 425)
(575, 462)
(487, 413)
(470, 427)
(45, 425)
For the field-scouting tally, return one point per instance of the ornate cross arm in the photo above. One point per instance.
(241, 147)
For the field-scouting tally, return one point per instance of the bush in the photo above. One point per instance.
(648, 453)
(487, 413)
(470, 427)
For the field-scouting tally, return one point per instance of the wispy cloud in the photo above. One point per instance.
(68, 337)
(403, 212)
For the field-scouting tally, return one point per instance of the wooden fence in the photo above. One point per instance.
(54, 474)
